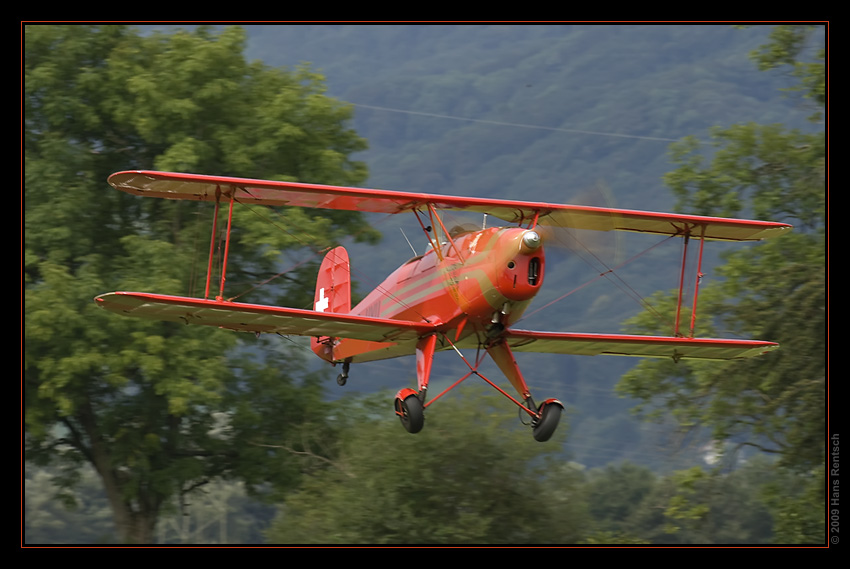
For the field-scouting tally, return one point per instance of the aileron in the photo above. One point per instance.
(635, 345)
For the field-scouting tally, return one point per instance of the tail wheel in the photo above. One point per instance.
(343, 377)
(549, 415)
(411, 413)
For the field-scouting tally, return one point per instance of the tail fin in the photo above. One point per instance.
(333, 294)
(333, 285)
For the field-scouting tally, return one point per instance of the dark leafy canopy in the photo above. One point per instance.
(159, 409)
(470, 478)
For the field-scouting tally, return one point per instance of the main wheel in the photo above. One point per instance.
(411, 413)
(550, 414)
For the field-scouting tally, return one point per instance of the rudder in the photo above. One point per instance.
(333, 285)
(333, 293)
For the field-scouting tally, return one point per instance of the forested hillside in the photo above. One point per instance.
(542, 111)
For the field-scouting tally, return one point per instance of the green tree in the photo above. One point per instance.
(775, 290)
(614, 495)
(798, 48)
(698, 506)
(467, 478)
(157, 409)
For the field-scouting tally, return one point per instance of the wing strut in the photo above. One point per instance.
(697, 282)
(212, 242)
(226, 244)
(698, 277)
(436, 241)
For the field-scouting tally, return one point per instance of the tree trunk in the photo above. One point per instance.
(135, 520)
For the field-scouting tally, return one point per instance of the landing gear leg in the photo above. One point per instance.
(409, 404)
(504, 358)
(546, 417)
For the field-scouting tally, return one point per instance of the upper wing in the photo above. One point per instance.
(260, 318)
(210, 188)
(630, 345)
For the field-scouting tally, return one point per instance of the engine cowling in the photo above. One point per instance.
(521, 275)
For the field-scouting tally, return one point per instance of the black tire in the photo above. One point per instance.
(411, 413)
(544, 427)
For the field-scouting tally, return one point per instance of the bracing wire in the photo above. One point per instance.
(516, 125)
(610, 274)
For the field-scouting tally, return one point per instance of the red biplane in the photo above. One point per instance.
(466, 291)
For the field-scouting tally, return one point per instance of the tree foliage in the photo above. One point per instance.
(800, 48)
(467, 478)
(159, 409)
(775, 290)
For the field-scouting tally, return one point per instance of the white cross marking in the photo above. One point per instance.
(322, 303)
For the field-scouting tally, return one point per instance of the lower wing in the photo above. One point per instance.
(639, 346)
(292, 321)
(260, 318)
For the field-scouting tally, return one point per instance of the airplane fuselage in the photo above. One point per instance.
(479, 282)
